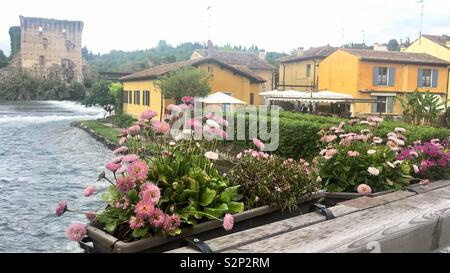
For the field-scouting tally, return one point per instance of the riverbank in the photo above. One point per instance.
(99, 131)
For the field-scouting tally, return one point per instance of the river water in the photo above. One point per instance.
(44, 160)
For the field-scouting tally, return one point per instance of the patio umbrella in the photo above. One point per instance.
(221, 98)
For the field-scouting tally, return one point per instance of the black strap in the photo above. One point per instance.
(325, 211)
(87, 248)
(198, 244)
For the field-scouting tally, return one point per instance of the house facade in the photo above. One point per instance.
(379, 77)
(141, 93)
(300, 71)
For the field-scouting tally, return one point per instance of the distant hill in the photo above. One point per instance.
(132, 61)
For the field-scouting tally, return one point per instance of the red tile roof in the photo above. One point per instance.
(312, 53)
(248, 59)
(395, 56)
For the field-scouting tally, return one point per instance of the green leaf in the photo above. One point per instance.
(114, 192)
(111, 227)
(228, 193)
(140, 232)
(207, 197)
(236, 207)
(133, 196)
(218, 211)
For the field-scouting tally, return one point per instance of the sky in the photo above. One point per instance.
(275, 25)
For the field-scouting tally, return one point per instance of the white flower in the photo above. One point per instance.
(398, 162)
(371, 152)
(211, 155)
(239, 155)
(172, 143)
(373, 171)
(416, 169)
(213, 124)
(178, 137)
(400, 130)
(319, 179)
(187, 132)
(391, 165)
(198, 145)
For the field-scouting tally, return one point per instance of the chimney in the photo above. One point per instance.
(447, 41)
(210, 47)
(300, 51)
(262, 55)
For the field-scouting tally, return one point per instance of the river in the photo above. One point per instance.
(43, 160)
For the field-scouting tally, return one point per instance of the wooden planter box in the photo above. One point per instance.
(337, 197)
(103, 242)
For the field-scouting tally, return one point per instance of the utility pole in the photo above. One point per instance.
(364, 38)
(422, 2)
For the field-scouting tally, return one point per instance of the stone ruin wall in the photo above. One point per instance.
(51, 48)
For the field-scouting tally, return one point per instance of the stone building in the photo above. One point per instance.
(48, 48)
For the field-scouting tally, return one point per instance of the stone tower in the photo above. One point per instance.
(51, 49)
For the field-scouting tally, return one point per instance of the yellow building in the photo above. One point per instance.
(140, 92)
(300, 71)
(437, 46)
(378, 77)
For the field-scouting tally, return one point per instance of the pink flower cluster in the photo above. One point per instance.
(427, 155)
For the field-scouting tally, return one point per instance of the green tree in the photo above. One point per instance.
(99, 95)
(187, 81)
(3, 59)
(77, 91)
(116, 90)
(421, 108)
(393, 45)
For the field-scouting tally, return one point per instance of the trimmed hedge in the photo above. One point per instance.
(124, 120)
(299, 133)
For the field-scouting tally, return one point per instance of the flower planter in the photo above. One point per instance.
(103, 242)
(337, 197)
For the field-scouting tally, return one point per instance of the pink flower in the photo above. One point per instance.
(400, 130)
(239, 155)
(113, 166)
(416, 169)
(130, 158)
(120, 150)
(211, 155)
(90, 190)
(187, 99)
(194, 123)
(258, 143)
(134, 130)
(76, 232)
(373, 171)
(144, 209)
(125, 184)
(377, 140)
(210, 115)
(138, 170)
(150, 192)
(352, 153)
(61, 208)
(148, 114)
(160, 127)
(221, 121)
(328, 138)
(171, 223)
(122, 140)
(121, 170)
(375, 119)
(228, 222)
(123, 132)
(158, 218)
(117, 160)
(90, 215)
(364, 189)
(136, 222)
(219, 133)
(330, 153)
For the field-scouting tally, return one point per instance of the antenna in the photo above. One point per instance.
(422, 2)
(342, 33)
(209, 8)
(364, 37)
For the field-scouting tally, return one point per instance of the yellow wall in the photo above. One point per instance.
(295, 74)
(344, 73)
(223, 80)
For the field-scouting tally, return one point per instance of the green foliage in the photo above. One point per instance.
(15, 36)
(393, 45)
(421, 108)
(24, 87)
(187, 81)
(3, 59)
(102, 130)
(124, 120)
(116, 90)
(272, 180)
(99, 94)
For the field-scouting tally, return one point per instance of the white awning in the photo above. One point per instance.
(221, 98)
(320, 96)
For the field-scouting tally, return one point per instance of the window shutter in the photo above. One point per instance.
(389, 104)
(420, 78)
(435, 77)
(375, 75)
(391, 76)
(374, 105)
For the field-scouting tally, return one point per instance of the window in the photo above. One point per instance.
(226, 107)
(45, 42)
(308, 70)
(130, 97)
(125, 96)
(146, 98)
(382, 104)
(252, 98)
(41, 60)
(426, 78)
(137, 97)
(384, 76)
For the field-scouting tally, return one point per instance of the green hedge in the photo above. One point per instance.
(124, 120)
(299, 133)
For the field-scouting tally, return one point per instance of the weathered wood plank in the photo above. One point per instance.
(417, 188)
(406, 225)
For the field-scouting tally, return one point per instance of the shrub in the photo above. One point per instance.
(124, 120)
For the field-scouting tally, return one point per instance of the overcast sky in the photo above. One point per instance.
(276, 25)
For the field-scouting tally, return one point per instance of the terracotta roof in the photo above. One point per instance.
(442, 39)
(248, 59)
(395, 56)
(154, 72)
(312, 53)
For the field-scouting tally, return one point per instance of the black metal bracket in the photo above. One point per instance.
(87, 248)
(324, 210)
(198, 244)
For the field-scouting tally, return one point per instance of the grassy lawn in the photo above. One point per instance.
(107, 132)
